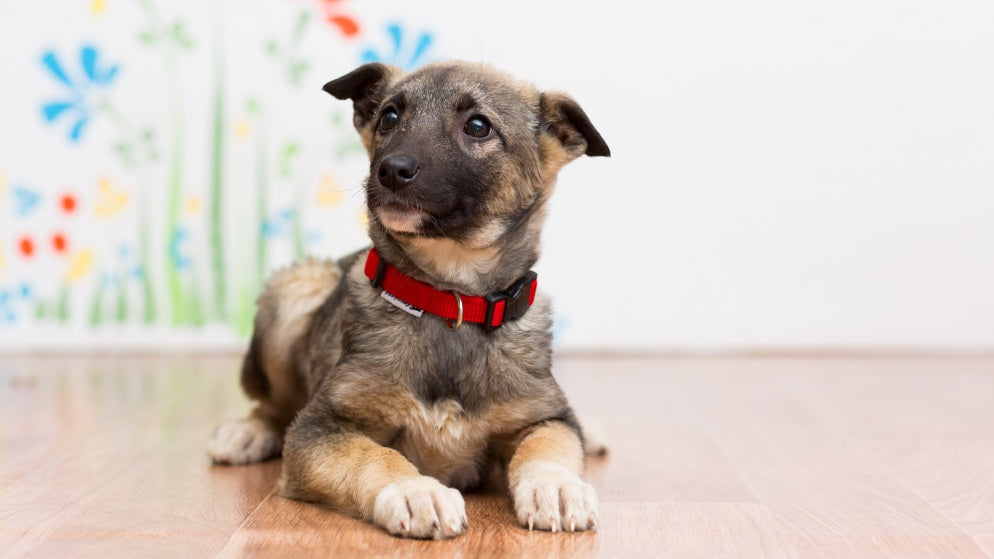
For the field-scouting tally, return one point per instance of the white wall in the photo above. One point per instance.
(785, 175)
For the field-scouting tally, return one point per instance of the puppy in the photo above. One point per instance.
(396, 376)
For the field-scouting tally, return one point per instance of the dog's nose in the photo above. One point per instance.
(396, 171)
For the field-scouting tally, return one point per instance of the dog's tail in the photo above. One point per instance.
(594, 441)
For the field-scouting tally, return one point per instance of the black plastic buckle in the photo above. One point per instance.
(381, 270)
(515, 301)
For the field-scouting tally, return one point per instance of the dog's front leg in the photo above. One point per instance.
(348, 471)
(544, 478)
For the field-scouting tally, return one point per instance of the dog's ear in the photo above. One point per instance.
(564, 120)
(365, 86)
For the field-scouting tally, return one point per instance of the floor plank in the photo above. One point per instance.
(104, 457)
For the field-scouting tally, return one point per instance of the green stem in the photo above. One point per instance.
(97, 306)
(126, 128)
(217, 176)
(262, 185)
(63, 309)
(176, 293)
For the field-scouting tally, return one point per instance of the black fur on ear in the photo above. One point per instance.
(364, 86)
(563, 118)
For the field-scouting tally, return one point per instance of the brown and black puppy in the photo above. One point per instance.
(380, 413)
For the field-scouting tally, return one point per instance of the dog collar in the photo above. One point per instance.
(415, 297)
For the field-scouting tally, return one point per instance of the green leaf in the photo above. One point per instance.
(348, 148)
(252, 105)
(180, 36)
(297, 70)
(300, 27)
(148, 37)
(125, 151)
(286, 156)
(272, 49)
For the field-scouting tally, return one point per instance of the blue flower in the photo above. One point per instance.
(406, 58)
(75, 104)
(25, 200)
(177, 245)
(12, 300)
(278, 225)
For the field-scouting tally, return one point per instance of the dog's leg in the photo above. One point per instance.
(271, 372)
(348, 471)
(545, 484)
(257, 437)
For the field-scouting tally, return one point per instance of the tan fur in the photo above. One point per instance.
(451, 261)
(290, 298)
(544, 480)
(319, 473)
(553, 443)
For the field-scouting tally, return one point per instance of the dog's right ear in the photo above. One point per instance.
(365, 86)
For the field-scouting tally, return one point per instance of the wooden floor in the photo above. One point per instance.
(746, 457)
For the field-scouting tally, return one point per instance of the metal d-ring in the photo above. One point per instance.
(459, 317)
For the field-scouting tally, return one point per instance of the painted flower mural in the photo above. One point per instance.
(174, 213)
(77, 103)
(406, 50)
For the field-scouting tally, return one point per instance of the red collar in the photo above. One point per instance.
(491, 310)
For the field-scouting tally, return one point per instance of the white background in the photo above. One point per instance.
(785, 175)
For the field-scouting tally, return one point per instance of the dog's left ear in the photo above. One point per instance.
(564, 120)
(365, 86)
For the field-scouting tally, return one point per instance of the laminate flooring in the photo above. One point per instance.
(751, 457)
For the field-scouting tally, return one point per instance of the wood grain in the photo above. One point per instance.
(103, 457)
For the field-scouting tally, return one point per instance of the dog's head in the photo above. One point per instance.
(458, 150)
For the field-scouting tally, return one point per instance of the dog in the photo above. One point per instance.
(398, 375)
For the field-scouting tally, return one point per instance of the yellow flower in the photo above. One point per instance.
(192, 205)
(364, 216)
(329, 194)
(241, 129)
(79, 265)
(97, 7)
(110, 200)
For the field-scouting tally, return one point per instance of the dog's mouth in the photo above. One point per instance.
(400, 217)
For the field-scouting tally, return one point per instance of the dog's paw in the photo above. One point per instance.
(420, 507)
(550, 497)
(243, 441)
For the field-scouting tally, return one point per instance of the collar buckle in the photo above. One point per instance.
(512, 303)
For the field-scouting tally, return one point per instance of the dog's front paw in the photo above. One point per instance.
(243, 441)
(420, 507)
(550, 497)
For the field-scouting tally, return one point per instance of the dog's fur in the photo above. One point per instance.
(379, 413)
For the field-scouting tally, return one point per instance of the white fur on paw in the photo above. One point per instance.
(420, 507)
(550, 497)
(243, 441)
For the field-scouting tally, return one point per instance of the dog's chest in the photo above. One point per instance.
(444, 442)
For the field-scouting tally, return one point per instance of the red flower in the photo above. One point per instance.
(68, 203)
(27, 246)
(346, 24)
(59, 242)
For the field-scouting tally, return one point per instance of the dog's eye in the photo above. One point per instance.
(389, 120)
(477, 127)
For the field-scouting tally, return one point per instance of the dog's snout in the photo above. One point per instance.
(397, 171)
